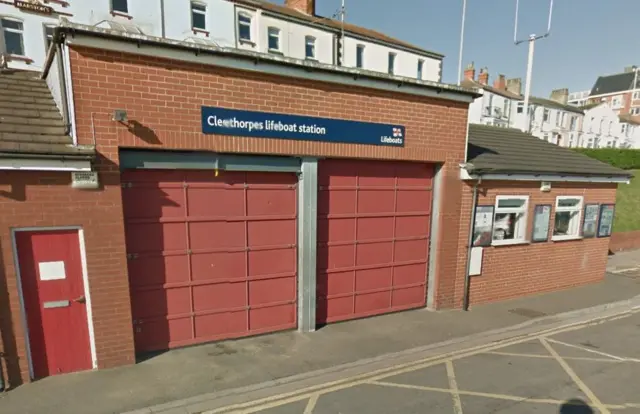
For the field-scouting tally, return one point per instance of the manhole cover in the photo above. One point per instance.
(529, 313)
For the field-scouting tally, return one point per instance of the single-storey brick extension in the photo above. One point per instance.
(180, 194)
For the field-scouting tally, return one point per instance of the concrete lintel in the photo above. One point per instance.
(307, 239)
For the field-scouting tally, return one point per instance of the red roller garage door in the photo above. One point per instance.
(209, 257)
(373, 237)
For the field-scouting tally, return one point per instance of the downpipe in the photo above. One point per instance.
(467, 277)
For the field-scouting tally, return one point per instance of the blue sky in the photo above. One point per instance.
(588, 37)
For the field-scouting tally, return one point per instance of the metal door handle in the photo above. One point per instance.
(80, 299)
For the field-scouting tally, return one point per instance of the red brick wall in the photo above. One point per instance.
(163, 100)
(626, 240)
(37, 199)
(517, 270)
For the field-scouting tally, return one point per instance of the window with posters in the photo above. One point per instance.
(605, 225)
(483, 226)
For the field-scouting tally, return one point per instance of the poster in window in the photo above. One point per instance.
(606, 220)
(482, 226)
(541, 217)
(590, 224)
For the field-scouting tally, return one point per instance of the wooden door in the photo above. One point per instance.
(53, 293)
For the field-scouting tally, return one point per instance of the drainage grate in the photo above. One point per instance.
(529, 313)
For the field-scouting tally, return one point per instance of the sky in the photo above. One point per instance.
(588, 38)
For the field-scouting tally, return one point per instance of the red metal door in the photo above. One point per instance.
(53, 291)
(210, 257)
(373, 237)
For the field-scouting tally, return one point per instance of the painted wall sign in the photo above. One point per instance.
(33, 6)
(271, 125)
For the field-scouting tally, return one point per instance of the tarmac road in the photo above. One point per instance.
(592, 368)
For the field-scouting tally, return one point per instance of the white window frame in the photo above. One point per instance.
(310, 41)
(46, 35)
(576, 221)
(623, 128)
(420, 74)
(635, 111)
(616, 102)
(113, 9)
(636, 95)
(11, 30)
(360, 56)
(198, 11)
(275, 32)
(521, 226)
(391, 63)
(545, 115)
(249, 24)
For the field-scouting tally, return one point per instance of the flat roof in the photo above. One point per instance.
(261, 62)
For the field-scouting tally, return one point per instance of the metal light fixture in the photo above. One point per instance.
(120, 115)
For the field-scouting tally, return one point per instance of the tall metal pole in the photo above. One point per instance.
(527, 85)
(342, 11)
(532, 40)
(464, 14)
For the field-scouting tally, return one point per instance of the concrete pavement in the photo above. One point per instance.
(190, 376)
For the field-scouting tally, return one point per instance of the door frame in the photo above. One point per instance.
(85, 281)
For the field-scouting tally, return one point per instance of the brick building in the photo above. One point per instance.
(237, 194)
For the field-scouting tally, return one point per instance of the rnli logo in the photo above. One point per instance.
(397, 132)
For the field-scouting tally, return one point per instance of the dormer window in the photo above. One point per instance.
(120, 6)
(198, 16)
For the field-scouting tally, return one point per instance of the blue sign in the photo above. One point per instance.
(269, 125)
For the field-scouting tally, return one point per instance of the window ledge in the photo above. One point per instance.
(202, 31)
(276, 52)
(121, 14)
(247, 42)
(565, 238)
(21, 58)
(499, 243)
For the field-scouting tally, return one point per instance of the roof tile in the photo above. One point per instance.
(510, 151)
(30, 123)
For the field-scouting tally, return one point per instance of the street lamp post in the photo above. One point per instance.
(532, 40)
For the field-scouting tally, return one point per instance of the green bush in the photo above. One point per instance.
(627, 159)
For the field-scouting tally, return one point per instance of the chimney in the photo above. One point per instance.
(629, 69)
(303, 6)
(500, 83)
(483, 77)
(470, 72)
(560, 95)
(514, 86)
